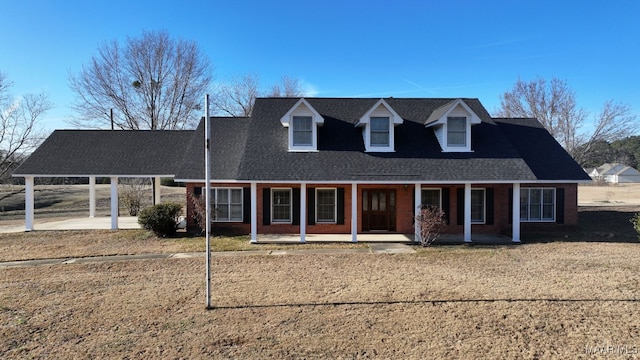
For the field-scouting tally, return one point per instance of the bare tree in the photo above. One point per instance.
(152, 82)
(236, 96)
(554, 104)
(19, 133)
(288, 87)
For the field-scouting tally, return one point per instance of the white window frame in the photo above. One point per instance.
(293, 130)
(302, 108)
(484, 206)
(388, 132)
(527, 203)
(229, 204)
(466, 131)
(279, 221)
(378, 110)
(439, 190)
(335, 206)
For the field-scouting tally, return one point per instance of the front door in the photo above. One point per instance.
(378, 210)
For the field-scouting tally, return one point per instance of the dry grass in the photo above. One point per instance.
(538, 301)
(530, 301)
(82, 243)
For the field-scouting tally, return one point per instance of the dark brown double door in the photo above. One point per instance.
(378, 210)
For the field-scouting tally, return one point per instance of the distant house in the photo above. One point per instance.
(355, 166)
(615, 173)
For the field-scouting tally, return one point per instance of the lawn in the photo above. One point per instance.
(575, 297)
(554, 300)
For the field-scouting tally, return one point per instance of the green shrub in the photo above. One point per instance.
(635, 220)
(162, 219)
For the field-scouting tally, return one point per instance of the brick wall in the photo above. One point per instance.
(404, 210)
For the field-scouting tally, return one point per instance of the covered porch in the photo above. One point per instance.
(357, 197)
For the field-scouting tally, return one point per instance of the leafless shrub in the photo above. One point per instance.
(431, 222)
(133, 191)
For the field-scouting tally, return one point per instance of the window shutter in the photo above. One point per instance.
(340, 206)
(197, 191)
(311, 206)
(246, 205)
(446, 207)
(295, 198)
(460, 204)
(510, 215)
(266, 206)
(560, 205)
(489, 206)
(415, 209)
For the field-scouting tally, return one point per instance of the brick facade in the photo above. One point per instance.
(499, 223)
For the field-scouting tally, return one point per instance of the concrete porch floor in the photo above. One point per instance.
(445, 239)
(130, 222)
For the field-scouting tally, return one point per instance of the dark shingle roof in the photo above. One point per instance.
(258, 151)
(544, 155)
(105, 152)
(228, 138)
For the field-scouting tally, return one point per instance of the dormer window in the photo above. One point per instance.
(379, 131)
(302, 131)
(456, 131)
(451, 123)
(377, 127)
(302, 122)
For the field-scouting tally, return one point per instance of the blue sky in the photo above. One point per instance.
(345, 48)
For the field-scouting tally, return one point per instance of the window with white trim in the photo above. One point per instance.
(431, 197)
(456, 131)
(477, 206)
(281, 205)
(325, 205)
(379, 131)
(302, 127)
(537, 204)
(227, 204)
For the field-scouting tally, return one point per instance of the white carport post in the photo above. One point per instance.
(303, 212)
(28, 203)
(418, 197)
(354, 212)
(254, 212)
(92, 196)
(114, 203)
(515, 236)
(467, 212)
(156, 195)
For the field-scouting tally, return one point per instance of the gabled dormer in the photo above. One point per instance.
(452, 125)
(302, 121)
(378, 125)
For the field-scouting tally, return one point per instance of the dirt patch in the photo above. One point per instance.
(557, 300)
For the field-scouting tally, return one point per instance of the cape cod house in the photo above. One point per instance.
(350, 166)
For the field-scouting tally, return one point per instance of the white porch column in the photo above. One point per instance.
(156, 195)
(354, 212)
(254, 212)
(467, 212)
(92, 196)
(303, 212)
(114, 203)
(28, 203)
(515, 237)
(418, 197)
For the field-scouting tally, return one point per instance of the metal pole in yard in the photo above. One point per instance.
(207, 186)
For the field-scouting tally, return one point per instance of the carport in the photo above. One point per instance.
(109, 154)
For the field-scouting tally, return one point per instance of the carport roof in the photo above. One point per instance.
(107, 153)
